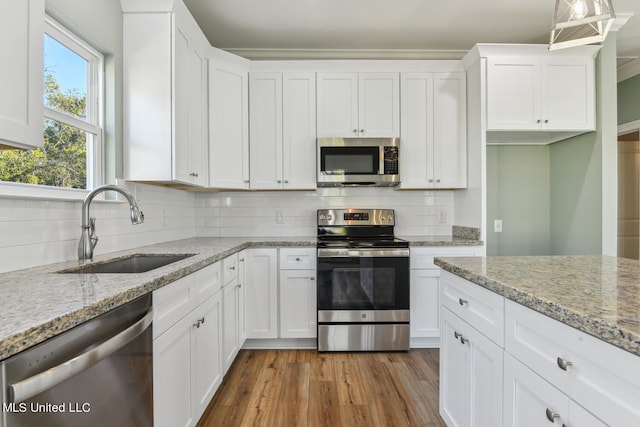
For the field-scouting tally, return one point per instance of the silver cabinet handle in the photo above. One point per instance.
(438, 180)
(551, 416)
(563, 364)
(297, 259)
(233, 267)
(312, 278)
(362, 130)
(195, 174)
(246, 181)
(286, 181)
(459, 336)
(279, 181)
(538, 121)
(462, 301)
(239, 285)
(430, 180)
(546, 120)
(355, 131)
(241, 259)
(38, 383)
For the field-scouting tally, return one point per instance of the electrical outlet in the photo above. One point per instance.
(163, 217)
(279, 216)
(497, 225)
(442, 216)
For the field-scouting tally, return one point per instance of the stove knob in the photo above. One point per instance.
(322, 217)
(330, 217)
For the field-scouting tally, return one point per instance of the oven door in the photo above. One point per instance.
(363, 285)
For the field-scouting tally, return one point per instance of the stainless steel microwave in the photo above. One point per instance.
(358, 161)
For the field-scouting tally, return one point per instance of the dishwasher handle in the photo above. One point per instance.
(45, 380)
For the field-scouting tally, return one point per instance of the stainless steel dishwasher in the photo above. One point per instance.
(99, 373)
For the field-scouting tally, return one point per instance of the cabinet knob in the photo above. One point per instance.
(355, 131)
(279, 181)
(246, 181)
(239, 285)
(286, 181)
(194, 174)
(233, 267)
(551, 416)
(201, 320)
(538, 121)
(241, 259)
(430, 180)
(312, 278)
(297, 259)
(563, 364)
(437, 180)
(546, 120)
(462, 301)
(361, 130)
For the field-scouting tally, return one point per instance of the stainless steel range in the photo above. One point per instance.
(363, 281)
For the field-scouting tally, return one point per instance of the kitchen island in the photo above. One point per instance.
(530, 340)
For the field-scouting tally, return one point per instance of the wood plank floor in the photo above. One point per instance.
(307, 388)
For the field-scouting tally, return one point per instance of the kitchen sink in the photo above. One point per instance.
(136, 263)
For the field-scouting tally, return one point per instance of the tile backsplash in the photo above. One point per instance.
(38, 232)
(257, 213)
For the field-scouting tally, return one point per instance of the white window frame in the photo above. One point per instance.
(92, 125)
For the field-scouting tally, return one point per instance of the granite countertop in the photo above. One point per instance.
(39, 303)
(599, 295)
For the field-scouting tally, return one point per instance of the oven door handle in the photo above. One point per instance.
(38, 383)
(362, 253)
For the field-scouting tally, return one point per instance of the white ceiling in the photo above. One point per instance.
(427, 28)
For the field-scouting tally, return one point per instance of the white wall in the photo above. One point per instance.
(37, 232)
(254, 213)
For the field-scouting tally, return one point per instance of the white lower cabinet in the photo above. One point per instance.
(424, 298)
(530, 401)
(187, 364)
(232, 310)
(298, 310)
(261, 292)
(471, 368)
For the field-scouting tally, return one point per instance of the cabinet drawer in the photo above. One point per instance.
(208, 281)
(595, 374)
(422, 257)
(171, 303)
(475, 305)
(297, 259)
(229, 268)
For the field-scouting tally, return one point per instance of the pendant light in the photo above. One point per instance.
(578, 22)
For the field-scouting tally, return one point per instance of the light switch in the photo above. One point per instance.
(497, 225)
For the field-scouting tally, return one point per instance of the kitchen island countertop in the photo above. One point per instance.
(599, 295)
(39, 303)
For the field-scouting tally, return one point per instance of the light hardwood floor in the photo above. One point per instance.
(307, 388)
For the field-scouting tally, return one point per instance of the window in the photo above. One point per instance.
(71, 156)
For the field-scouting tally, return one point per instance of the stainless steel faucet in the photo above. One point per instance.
(88, 238)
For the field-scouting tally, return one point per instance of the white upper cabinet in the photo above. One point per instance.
(282, 130)
(228, 124)
(433, 148)
(358, 104)
(165, 94)
(534, 96)
(21, 44)
(549, 93)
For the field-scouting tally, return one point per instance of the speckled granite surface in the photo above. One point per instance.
(598, 295)
(39, 303)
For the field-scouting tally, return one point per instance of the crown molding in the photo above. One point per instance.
(328, 54)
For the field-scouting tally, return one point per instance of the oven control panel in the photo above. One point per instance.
(343, 217)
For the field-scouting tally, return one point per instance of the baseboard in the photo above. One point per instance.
(431, 342)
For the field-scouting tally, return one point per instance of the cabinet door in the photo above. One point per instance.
(449, 130)
(417, 130)
(424, 303)
(229, 323)
(298, 310)
(455, 395)
(21, 31)
(379, 104)
(181, 81)
(299, 131)
(228, 126)
(568, 93)
(265, 117)
(206, 352)
(471, 369)
(529, 400)
(337, 104)
(197, 131)
(242, 298)
(262, 293)
(172, 366)
(513, 93)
